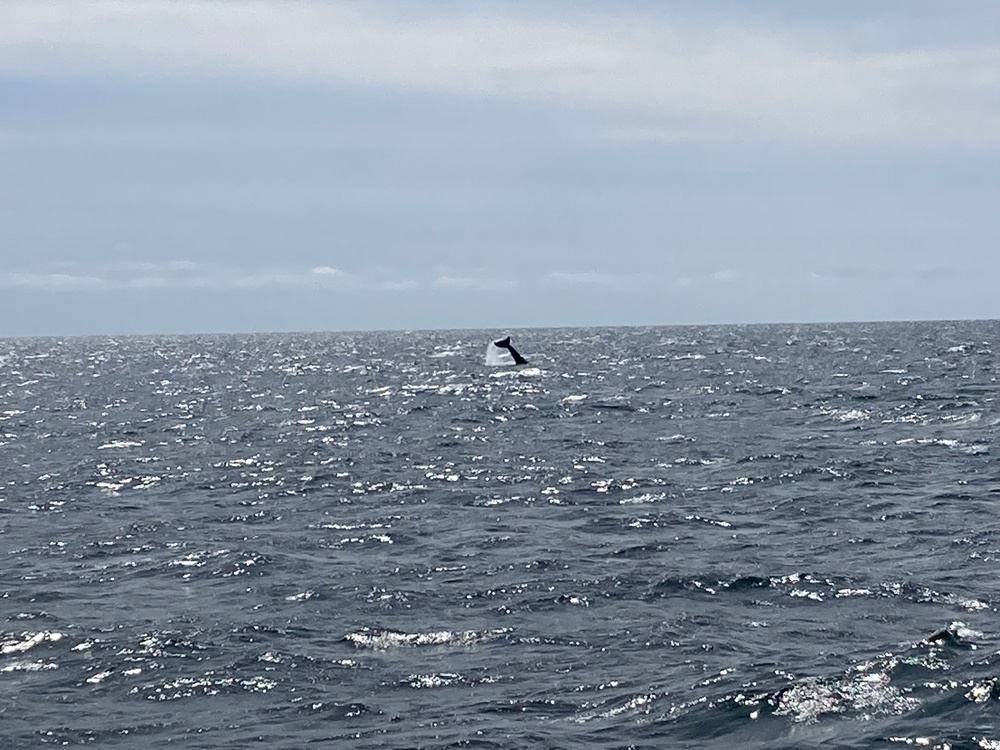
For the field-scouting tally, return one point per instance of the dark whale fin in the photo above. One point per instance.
(518, 359)
(504, 343)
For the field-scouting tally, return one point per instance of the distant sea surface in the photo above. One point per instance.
(733, 537)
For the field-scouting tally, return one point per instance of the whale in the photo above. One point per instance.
(504, 343)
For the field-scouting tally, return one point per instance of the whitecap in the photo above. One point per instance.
(30, 640)
(28, 666)
(442, 679)
(646, 497)
(723, 524)
(852, 415)
(380, 640)
(121, 444)
(524, 372)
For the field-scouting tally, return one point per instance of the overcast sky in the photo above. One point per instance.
(176, 166)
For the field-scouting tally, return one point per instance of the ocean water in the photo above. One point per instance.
(753, 537)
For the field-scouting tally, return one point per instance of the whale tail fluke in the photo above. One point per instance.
(504, 343)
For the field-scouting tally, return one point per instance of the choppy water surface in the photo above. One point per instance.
(764, 537)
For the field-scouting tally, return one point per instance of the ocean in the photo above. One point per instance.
(770, 536)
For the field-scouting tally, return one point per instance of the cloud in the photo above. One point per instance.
(645, 78)
(598, 278)
(326, 271)
(51, 281)
(726, 275)
(397, 286)
(180, 274)
(156, 276)
(470, 282)
(881, 274)
(148, 282)
(95, 276)
(321, 277)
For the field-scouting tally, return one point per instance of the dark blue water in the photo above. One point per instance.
(755, 537)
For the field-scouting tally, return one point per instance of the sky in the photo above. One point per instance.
(198, 166)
